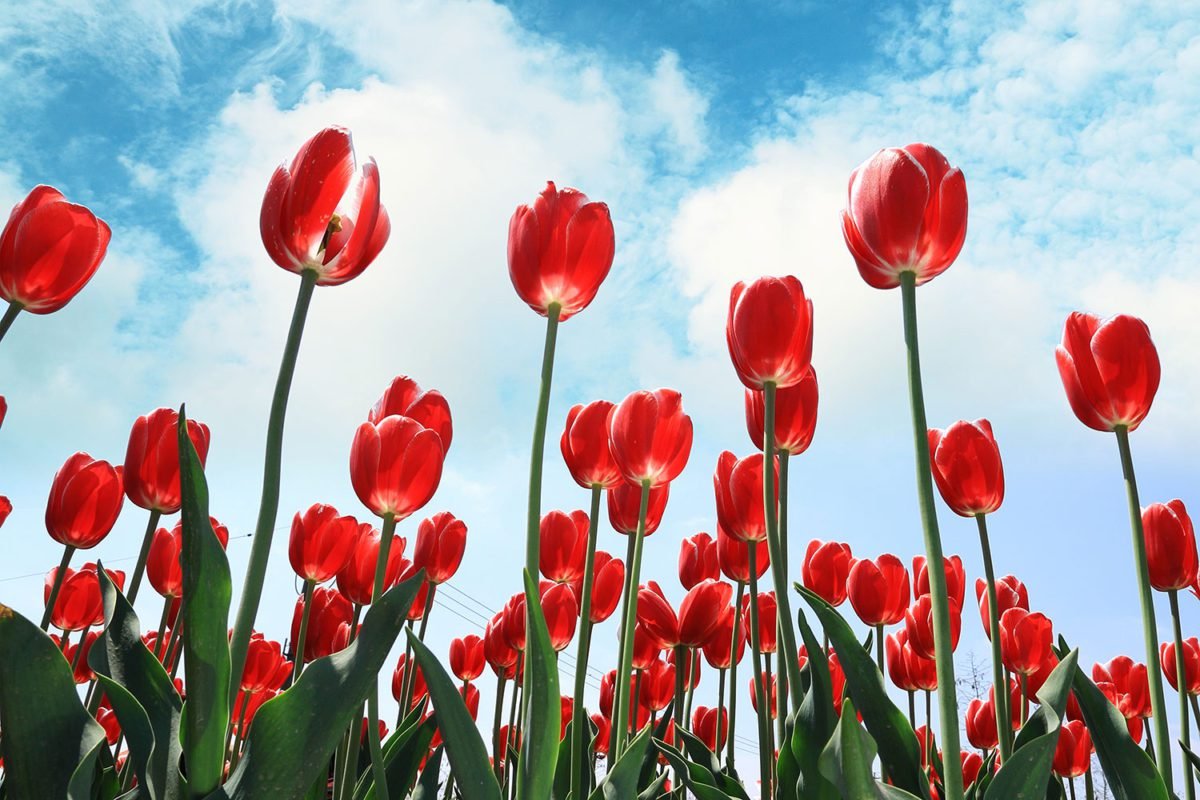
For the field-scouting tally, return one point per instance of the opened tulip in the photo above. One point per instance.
(698, 613)
(563, 544)
(1126, 684)
(967, 467)
(1073, 752)
(624, 503)
(712, 726)
(918, 622)
(769, 332)
(560, 250)
(561, 610)
(356, 579)
(1025, 640)
(1010, 593)
(1170, 546)
(733, 556)
(395, 466)
(1110, 370)
(906, 211)
(321, 542)
(49, 250)
(878, 590)
(650, 437)
(151, 475)
(85, 501)
(718, 650)
(585, 446)
(330, 611)
(467, 657)
(698, 560)
(1191, 664)
(266, 667)
(956, 579)
(738, 484)
(405, 398)
(609, 578)
(826, 569)
(795, 415)
(908, 669)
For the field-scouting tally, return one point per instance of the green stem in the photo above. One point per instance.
(377, 765)
(9, 317)
(580, 744)
(1149, 625)
(692, 654)
(234, 754)
(1182, 683)
(298, 664)
(410, 669)
(139, 569)
(59, 577)
(784, 685)
(1087, 784)
(760, 689)
(268, 509)
(947, 702)
(999, 685)
(912, 709)
(534, 520)
(766, 657)
(733, 665)
(633, 569)
(680, 671)
(497, 720)
(160, 640)
(79, 649)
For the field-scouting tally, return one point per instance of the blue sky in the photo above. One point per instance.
(721, 135)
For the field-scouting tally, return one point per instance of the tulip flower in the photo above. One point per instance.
(164, 565)
(77, 656)
(514, 621)
(6, 508)
(738, 484)
(79, 603)
(564, 543)
(497, 649)
(711, 725)
(1110, 370)
(49, 250)
(658, 685)
(878, 590)
(907, 668)
(918, 622)
(647, 646)
(151, 474)
(698, 613)
(1129, 682)
(3, 409)
(1025, 640)
(606, 587)
(467, 657)
(405, 398)
(770, 691)
(1170, 546)
(769, 332)
(1073, 753)
(266, 667)
(1010, 593)
(719, 651)
(356, 579)
(967, 467)
(650, 437)
(85, 500)
(733, 556)
(321, 542)
(561, 609)
(981, 724)
(395, 466)
(418, 688)
(600, 739)
(330, 610)
(698, 560)
(795, 415)
(767, 621)
(956, 578)
(972, 765)
(826, 569)
(1191, 662)
(441, 540)
(585, 446)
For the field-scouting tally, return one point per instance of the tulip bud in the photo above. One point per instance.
(769, 332)
(1109, 369)
(1170, 546)
(85, 501)
(965, 461)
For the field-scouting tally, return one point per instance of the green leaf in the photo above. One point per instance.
(898, 749)
(655, 788)
(539, 747)
(1191, 756)
(402, 754)
(1025, 775)
(621, 782)
(88, 774)
(47, 731)
(700, 754)
(427, 789)
(697, 778)
(207, 587)
(464, 746)
(848, 757)
(810, 729)
(1130, 772)
(294, 735)
(562, 769)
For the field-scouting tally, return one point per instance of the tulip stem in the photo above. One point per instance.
(1024, 699)
(733, 665)
(912, 708)
(943, 647)
(10, 315)
(377, 765)
(268, 509)
(160, 638)
(1181, 679)
(79, 648)
(1087, 783)
(1149, 625)
(760, 690)
(580, 746)
(787, 643)
(298, 664)
(632, 574)
(241, 731)
(999, 684)
(680, 668)
(497, 719)
(59, 577)
(692, 654)
(1071, 785)
(139, 569)
(410, 669)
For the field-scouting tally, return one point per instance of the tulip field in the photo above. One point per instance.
(838, 665)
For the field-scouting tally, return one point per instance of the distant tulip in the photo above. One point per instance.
(918, 622)
(1073, 753)
(420, 688)
(563, 545)
(467, 657)
(966, 466)
(769, 331)
(330, 612)
(971, 765)
(878, 590)
(908, 669)
(79, 604)
(624, 503)
(647, 647)
(698, 613)
(514, 621)
(771, 690)
(719, 647)
(266, 666)
(607, 584)
(561, 609)
(85, 501)
(395, 466)
(603, 729)
(585, 446)
(1025, 640)
(81, 672)
(658, 685)
(981, 724)
(956, 578)
(826, 568)
(698, 560)
(1109, 369)
(738, 485)
(650, 436)
(151, 475)
(6, 508)
(321, 542)
(1170, 545)
(795, 415)
(1191, 664)
(356, 580)
(560, 250)
(441, 540)
(49, 250)
(500, 654)
(767, 620)
(3, 409)
(733, 556)
(164, 563)
(711, 725)
(906, 211)
(405, 398)
(1010, 593)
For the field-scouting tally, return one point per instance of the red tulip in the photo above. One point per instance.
(647, 647)
(650, 436)
(771, 690)
(769, 331)
(109, 722)
(151, 475)
(561, 609)
(266, 667)
(566, 711)
(1010, 593)
(826, 568)
(981, 724)
(625, 502)
(767, 620)
(419, 687)
(395, 465)
(514, 621)
(738, 484)
(500, 654)
(330, 611)
(404, 398)
(416, 611)
(658, 685)
(906, 211)
(837, 680)
(698, 613)
(585, 446)
(1191, 664)
(467, 657)
(733, 556)
(711, 725)
(603, 729)
(356, 579)
(795, 415)
(1170, 545)
(908, 669)
(80, 603)
(322, 212)
(966, 465)
(506, 746)
(159, 647)
(1109, 369)
(441, 540)
(3, 409)
(608, 699)
(878, 590)
(698, 560)
(956, 578)
(164, 562)
(564, 541)
(321, 542)
(918, 622)
(560, 250)
(1126, 684)
(5, 508)
(85, 501)
(1073, 753)
(607, 584)
(1025, 640)
(49, 250)
(719, 647)
(971, 765)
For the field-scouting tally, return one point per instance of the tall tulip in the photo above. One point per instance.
(878, 591)
(563, 545)
(561, 609)
(405, 398)
(826, 570)
(738, 484)
(320, 544)
(467, 657)
(698, 560)
(738, 565)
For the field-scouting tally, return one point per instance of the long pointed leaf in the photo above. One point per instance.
(621, 782)
(847, 758)
(539, 747)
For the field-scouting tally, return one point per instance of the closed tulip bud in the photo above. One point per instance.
(918, 622)
(405, 398)
(5, 509)
(420, 688)
(585, 446)
(500, 654)
(981, 724)
(971, 765)
(711, 725)
(650, 436)
(441, 540)
(85, 501)
(266, 667)
(738, 485)
(956, 578)
(330, 611)
(81, 672)
(906, 211)
(151, 475)
(767, 623)
(395, 466)
(563, 545)
(878, 590)
(1073, 753)
(658, 685)
(698, 560)
(49, 250)
(560, 250)
(322, 212)
(1191, 664)
(467, 657)
(1170, 545)
(1010, 593)
(908, 669)
(321, 542)
(561, 609)
(837, 682)
(624, 505)
(719, 647)
(607, 584)
(826, 569)
(514, 621)
(1109, 369)
(507, 746)
(603, 729)
(966, 465)
(769, 332)
(80, 603)
(647, 647)
(771, 691)
(733, 556)
(356, 579)
(416, 611)
(795, 415)
(164, 569)
(1025, 640)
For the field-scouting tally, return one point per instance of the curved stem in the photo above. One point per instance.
(268, 509)
(761, 691)
(580, 744)
(1181, 682)
(9, 317)
(1149, 624)
(733, 665)
(298, 664)
(947, 702)
(632, 573)
(999, 685)
(377, 765)
(59, 577)
(139, 569)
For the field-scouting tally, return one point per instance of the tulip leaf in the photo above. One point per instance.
(293, 736)
(893, 734)
(653, 791)
(427, 789)
(540, 744)
(562, 769)
(47, 731)
(1191, 756)
(695, 777)
(1025, 774)
(464, 745)
(809, 729)
(700, 753)
(847, 759)
(621, 782)
(1131, 773)
(402, 754)
(83, 785)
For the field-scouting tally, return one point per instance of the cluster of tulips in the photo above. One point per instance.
(197, 708)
